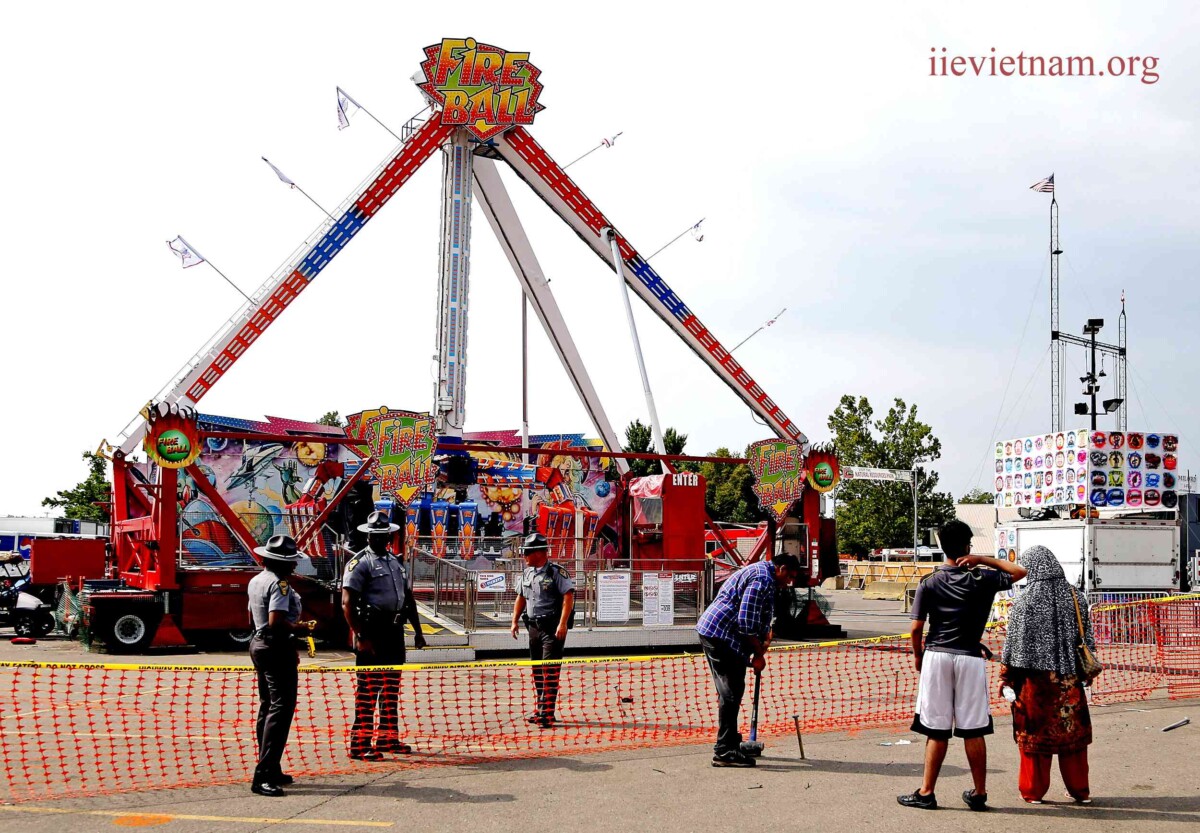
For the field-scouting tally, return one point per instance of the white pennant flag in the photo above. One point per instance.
(347, 107)
(188, 255)
(282, 176)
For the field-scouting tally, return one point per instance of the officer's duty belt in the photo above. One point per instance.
(267, 634)
(543, 623)
(376, 618)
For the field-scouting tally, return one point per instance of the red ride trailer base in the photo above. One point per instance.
(153, 603)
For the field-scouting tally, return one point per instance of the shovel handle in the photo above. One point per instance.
(754, 713)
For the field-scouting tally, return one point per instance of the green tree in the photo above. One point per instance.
(876, 515)
(331, 418)
(639, 439)
(977, 496)
(729, 493)
(80, 502)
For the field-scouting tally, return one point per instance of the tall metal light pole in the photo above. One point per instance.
(916, 482)
(1056, 348)
(1090, 379)
(916, 524)
(1093, 327)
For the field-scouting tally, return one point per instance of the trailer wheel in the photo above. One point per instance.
(130, 632)
(24, 626)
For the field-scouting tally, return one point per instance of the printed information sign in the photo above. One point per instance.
(612, 596)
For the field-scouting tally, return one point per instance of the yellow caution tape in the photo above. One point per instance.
(515, 663)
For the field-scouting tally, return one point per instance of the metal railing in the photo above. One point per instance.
(479, 594)
(1117, 620)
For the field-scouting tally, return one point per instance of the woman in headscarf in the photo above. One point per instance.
(1040, 663)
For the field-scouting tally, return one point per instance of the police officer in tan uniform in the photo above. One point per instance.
(377, 600)
(546, 604)
(275, 612)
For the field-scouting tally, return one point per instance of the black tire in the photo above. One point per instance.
(23, 625)
(44, 624)
(130, 630)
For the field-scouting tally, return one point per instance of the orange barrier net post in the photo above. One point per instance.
(71, 730)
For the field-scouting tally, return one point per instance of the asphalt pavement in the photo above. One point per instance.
(1142, 779)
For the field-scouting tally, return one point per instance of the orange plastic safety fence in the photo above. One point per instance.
(1148, 647)
(92, 729)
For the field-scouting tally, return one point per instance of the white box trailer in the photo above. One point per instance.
(1110, 554)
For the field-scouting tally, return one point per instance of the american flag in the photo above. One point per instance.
(1045, 186)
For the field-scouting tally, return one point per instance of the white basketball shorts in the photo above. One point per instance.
(952, 697)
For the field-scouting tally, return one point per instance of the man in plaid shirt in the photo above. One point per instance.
(734, 633)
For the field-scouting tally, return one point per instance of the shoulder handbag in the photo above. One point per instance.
(1089, 666)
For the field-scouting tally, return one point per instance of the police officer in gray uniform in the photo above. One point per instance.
(377, 600)
(546, 604)
(275, 613)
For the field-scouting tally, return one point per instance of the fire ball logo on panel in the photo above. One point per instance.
(481, 87)
(779, 473)
(172, 437)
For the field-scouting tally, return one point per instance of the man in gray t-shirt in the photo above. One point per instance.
(952, 696)
(956, 600)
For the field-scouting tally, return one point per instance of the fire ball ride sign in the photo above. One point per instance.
(779, 474)
(172, 439)
(481, 87)
(402, 443)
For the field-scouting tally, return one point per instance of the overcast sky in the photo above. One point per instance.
(888, 210)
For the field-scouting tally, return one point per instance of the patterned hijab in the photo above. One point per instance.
(1042, 629)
